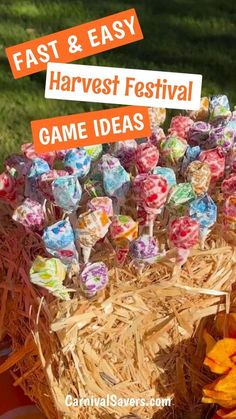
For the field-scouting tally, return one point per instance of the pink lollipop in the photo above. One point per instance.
(101, 202)
(215, 158)
(146, 157)
(180, 126)
(183, 234)
(228, 186)
(29, 151)
(150, 192)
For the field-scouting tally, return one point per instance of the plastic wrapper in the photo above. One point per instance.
(30, 214)
(156, 137)
(146, 157)
(183, 233)
(198, 133)
(219, 107)
(93, 278)
(191, 154)
(145, 250)
(173, 149)
(102, 202)
(180, 126)
(199, 175)
(67, 192)
(222, 136)
(116, 181)
(50, 274)
(125, 152)
(204, 211)
(228, 186)
(180, 196)
(60, 242)
(157, 117)
(215, 158)
(29, 151)
(77, 162)
(45, 181)
(167, 173)
(123, 230)
(94, 151)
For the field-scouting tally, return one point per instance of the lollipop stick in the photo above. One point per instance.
(151, 226)
(86, 253)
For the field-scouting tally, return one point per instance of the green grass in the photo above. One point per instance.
(196, 36)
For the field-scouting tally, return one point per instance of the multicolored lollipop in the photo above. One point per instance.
(150, 193)
(215, 158)
(38, 167)
(144, 250)
(219, 107)
(93, 278)
(67, 192)
(157, 117)
(77, 162)
(123, 230)
(167, 173)
(50, 274)
(173, 150)
(146, 157)
(222, 136)
(60, 242)
(45, 182)
(180, 196)
(191, 154)
(94, 151)
(30, 214)
(125, 152)
(183, 233)
(202, 113)
(180, 126)
(156, 137)
(91, 227)
(198, 133)
(204, 211)
(101, 202)
(199, 175)
(29, 151)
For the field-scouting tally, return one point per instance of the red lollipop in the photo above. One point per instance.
(215, 158)
(150, 192)
(183, 234)
(146, 157)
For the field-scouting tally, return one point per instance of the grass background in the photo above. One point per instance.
(196, 36)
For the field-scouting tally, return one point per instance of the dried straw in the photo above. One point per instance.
(141, 337)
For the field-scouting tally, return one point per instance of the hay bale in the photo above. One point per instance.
(141, 337)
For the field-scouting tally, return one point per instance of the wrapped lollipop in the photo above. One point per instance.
(180, 126)
(18, 166)
(67, 192)
(156, 137)
(50, 274)
(29, 152)
(8, 189)
(157, 117)
(123, 230)
(116, 181)
(199, 175)
(146, 158)
(45, 181)
(101, 202)
(150, 192)
(198, 133)
(125, 152)
(144, 251)
(94, 151)
(191, 154)
(204, 211)
(167, 173)
(228, 186)
(38, 167)
(229, 219)
(183, 234)
(91, 227)
(30, 214)
(60, 242)
(215, 158)
(77, 162)
(180, 196)
(172, 150)
(219, 107)
(222, 136)
(93, 278)
(202, 113)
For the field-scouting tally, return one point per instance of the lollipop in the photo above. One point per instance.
(30, 214)
(77, 162)
(94, 151)
(29, 152)
(60, 242)
(125, 152)
(180, 126)
(150, 192)
(222, 136)
(199, 175)
(204, 211)
(219, 107)
(45, 182)
(173, 149)
(202, 113)
(61, 154)
(156, 137)
(183, 233)
(93, 278)
(144, 250)
(101, 202)
(198, 133)
(67, 192)
(228, 186)
(180, 196)
(146, 157)
(191, 154)
(157, 117)
(50, 274)
(123, 230)
(38, 167)
(91, 227)
(18, 166)
(8, 191)
(215, 158)
(167, 173)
